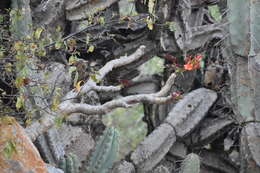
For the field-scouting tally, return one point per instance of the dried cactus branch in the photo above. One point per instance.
(47, 120)
(157, 98)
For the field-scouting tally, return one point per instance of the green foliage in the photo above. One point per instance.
(9, 148)
(69, 164)
(105, 152)
(191, 164)
(214, 12)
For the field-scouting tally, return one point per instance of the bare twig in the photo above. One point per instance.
(47, 120)
(156, 98)
(105, 70)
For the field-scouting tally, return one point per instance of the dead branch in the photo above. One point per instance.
(48, 120)
(155, 98)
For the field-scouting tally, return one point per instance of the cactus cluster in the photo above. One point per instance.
(191, 164)
(101, 159)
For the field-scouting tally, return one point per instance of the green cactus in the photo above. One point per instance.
(105, 152)
(69, 164)
(242, 46)
(239, 26)
(21, 18)
(254, 61)
(191, 164)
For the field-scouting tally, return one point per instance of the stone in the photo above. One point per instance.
(17, 152)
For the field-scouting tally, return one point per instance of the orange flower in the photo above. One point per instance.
(188, 67)
(192, 64)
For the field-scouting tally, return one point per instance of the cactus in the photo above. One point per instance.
(105, 152)
(254, 62)
(21, 26)
(191, 164)
(69, 164)
(241, 44)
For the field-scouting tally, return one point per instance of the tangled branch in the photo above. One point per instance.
(69, 105)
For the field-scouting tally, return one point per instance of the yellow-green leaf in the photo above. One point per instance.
(2, 54)
(150, 23)
(72, 59)
(94, 78)
(101, 20)
(72, 69)
(77, 86)
(76, 78)
(8, 67)
(91, 49)
(58, 45)
(37, 33)
(55, 103)
(9, 149)
(58, 121)
(19, 102)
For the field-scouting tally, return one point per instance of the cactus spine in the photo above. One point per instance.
(191, 164)
(105, 152)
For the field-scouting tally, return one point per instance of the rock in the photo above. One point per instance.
(124, 167)
(52, 169)
(17, 152)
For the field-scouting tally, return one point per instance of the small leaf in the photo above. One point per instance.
(91, 49)
(8, 67)
(18, 45)
(2, 54)
(19, 102)
(87, 39)
(94, 78)
(58, 29)
(150, 23)
(72, 59)
(9, 149)
(55, 103)
(101, 20)
(41, 53)
(77, 86)
(58, 45)
(172, 26)
(76, 79)
(37, 33)
(58, 121)
(150, 26)
(72, 69)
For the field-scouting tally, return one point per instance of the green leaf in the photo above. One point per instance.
(8, 67)
(58, 45)
(214, 12)
(72, 69)
(171, 25)
(150, 23)
(37, 33)
(101, 20)
(72, 59)
(19, 102)
(91, 49)
(76, 79)
(58, 121)
(9, 149)
(94, 78)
